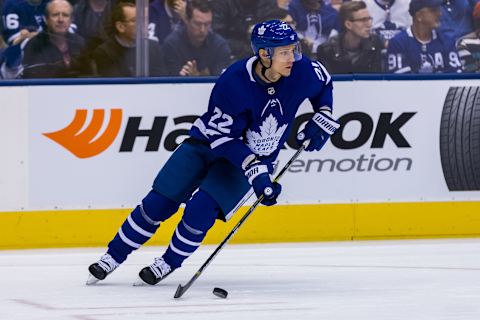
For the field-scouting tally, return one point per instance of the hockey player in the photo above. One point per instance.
(231, 149)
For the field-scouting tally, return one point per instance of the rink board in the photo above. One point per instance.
(76, 158)
(292, 223)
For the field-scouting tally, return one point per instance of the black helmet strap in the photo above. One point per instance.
(265, 68)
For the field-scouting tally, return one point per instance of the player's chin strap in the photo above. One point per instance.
(265, 68)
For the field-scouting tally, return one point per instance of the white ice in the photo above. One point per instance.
(359, 280)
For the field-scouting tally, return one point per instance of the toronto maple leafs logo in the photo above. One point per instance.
(261, 30)
(266, 142)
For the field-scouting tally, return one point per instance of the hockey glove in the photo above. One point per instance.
(258, 176)
(318, 130)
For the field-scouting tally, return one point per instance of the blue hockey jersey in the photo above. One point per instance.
(407, 55)
(20, 14)
(246, 117)
(160, 23)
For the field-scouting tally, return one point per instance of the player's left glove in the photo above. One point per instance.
(259, 177)
(318, 130)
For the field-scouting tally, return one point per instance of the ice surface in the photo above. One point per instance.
(374, 280)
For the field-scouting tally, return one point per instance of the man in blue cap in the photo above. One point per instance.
(421, 48)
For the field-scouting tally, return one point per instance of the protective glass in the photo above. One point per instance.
(286, 53)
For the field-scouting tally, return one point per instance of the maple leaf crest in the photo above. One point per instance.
(266, 141)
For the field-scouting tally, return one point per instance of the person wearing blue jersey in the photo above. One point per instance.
(389, 17)
(468, 46)
(22, 19)
(165, 16)
(316, 21)
(456, 19)
(421, 48)
(2, 42)
(230, 151)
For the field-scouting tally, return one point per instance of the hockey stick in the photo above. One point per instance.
(182, 289)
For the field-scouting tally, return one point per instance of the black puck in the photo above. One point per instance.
(219, 292)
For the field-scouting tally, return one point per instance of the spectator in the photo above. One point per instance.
(55, 52)
(22, 19)
(194, 49)
(420, 48)
(355, 49)
(278, 13)
(283, 4)
(336, 4)
(389, 17)
(117, 56)
(2, 42)
(164, 17)
(456, 18)
(234, 20)
(91, 18)
(469, 45)
(316, 22)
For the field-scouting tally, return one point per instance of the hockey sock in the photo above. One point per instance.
(199, 216)
(141, 225)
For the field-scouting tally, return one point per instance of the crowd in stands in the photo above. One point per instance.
(97, 38)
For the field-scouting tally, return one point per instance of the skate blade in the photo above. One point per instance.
(91, 280)
(139, 283)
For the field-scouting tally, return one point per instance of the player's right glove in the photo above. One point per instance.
(318, 130)
(258, 176)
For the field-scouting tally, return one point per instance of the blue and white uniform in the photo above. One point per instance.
(231, 149)
(389, 18)
(408, 55)
(245, 119)
(20, 14)
(317, 26)
(162, 21)
(255, 117)
(456, 19)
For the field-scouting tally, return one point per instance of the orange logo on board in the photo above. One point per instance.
(82, 144)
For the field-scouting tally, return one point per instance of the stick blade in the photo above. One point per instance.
(180, 291)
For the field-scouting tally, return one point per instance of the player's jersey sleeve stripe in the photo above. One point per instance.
(13, 37)
(404, 70)
(463, 53)
(201, 127)
(471, 41)
(325, 72)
